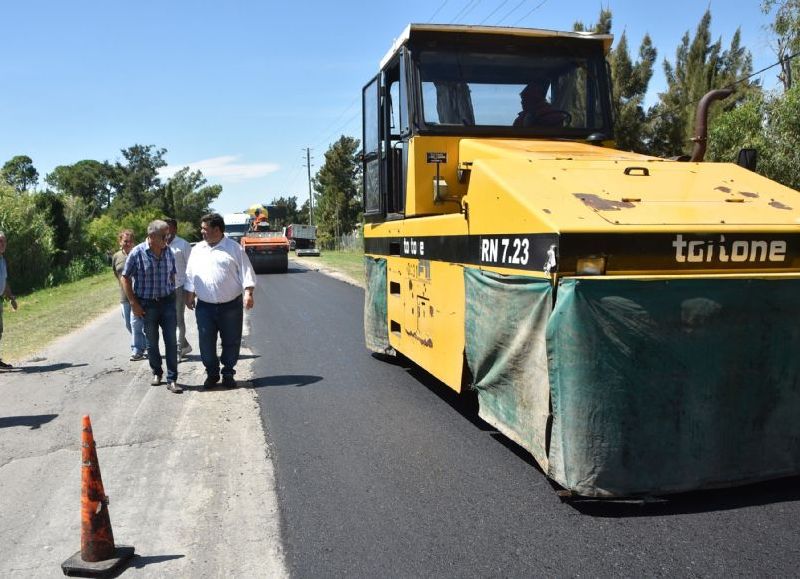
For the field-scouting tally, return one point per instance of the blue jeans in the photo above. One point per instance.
(135, 329)
(161, 314)
(223, 319)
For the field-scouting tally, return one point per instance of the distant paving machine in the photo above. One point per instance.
(630, 321)
(268, 250)
(303, 239)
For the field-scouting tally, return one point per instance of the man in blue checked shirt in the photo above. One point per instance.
(148, 279)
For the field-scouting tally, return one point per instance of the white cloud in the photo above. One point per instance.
(224, 168)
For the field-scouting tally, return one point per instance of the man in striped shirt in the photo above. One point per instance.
(148, 279)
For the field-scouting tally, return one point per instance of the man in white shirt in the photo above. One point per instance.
(217, 276)
(181, 249)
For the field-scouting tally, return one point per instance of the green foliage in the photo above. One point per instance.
(88, 180)
(20, 173)
(77, 269)
(136, 181)
(102, 232)
(286, 211)
(768, 124)
(187, 197)
(786, 27)
(630, 81)
(338, 202)
(629, 84)
(699, 67)
(52, 208)
(76, 224)
(30, 240)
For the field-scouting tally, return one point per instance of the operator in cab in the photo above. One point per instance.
(536, 110)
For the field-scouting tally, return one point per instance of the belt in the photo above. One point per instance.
(236, 299)
(161, 299)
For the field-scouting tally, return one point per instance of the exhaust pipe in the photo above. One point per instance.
(701, 121)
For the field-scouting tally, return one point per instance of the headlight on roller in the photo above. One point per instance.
(591, 265)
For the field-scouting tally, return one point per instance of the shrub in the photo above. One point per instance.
(30, 240)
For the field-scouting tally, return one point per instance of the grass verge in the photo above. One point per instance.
(350, 263)
(48, 314)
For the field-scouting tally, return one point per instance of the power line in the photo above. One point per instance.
(339, 129)
(731, 85)
(439, 9)
(785, 58)
(343, 113)
(493, 12)
(470, 9)
(460, 12)
(532, 10)
(510, 12)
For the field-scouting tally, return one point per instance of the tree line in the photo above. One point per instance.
(63, 231)
(750, 118)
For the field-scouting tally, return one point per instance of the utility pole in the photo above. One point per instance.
(310, 195)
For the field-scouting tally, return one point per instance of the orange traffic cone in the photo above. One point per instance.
(98, 556)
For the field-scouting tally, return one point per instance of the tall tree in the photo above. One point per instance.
(187, 196)
(629, 83)
(700, 66)
(288, 207)
(20, 173)
(136, 181)
(786, 28)
(52, 208)
(88, 180)
(338, 203)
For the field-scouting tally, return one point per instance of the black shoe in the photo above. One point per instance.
(4, 366)
(228, 381)
(211, 381)
(174, 387)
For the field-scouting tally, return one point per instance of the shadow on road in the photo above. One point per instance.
(763, 493)
(196, 357)
(768, 492)
(139, 562)
(47, 368)
(34, 421)
(286, 380)
(288, 271)
(465, 402)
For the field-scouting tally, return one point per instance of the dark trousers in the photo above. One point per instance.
(224, 320)
(160, 313)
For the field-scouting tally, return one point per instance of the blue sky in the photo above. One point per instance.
(239, 88)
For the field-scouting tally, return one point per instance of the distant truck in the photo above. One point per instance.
(236, 225)
(302, 238)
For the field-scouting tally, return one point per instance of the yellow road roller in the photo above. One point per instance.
(633, 322)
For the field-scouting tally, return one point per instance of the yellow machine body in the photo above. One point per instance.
(451, 197)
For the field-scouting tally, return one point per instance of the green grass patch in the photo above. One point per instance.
(350, 263)
(48, 314)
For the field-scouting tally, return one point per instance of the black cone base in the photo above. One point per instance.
(75, 566)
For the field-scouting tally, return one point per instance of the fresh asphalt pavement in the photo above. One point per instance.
(382, 471)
